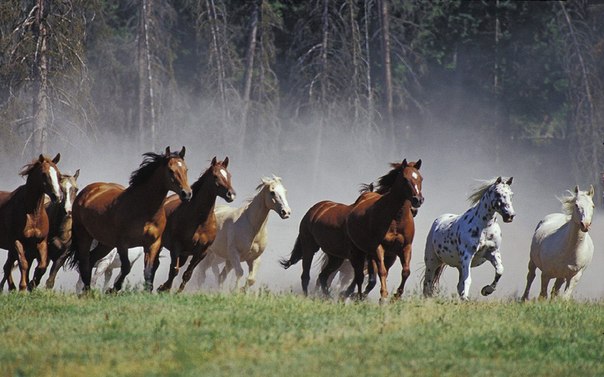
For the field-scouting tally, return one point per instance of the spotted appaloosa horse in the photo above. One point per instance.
(469, 239)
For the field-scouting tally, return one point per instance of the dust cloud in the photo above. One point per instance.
(331, 166)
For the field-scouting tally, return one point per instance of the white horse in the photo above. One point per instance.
(469, 239)
(107, 264)
(561, 247)
(242, 234)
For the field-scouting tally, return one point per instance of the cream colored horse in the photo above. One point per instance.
(561, 247)
(242, 232)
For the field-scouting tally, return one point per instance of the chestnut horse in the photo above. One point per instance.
(127, 217)
(191, 226)
(325, 226)
(24, 222)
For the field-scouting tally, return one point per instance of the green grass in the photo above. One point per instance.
(260, 334)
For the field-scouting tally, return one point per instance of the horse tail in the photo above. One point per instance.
(295, 256)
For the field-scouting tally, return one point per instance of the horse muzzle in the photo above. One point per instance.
(285, 213)
(230, 196)
(585, 226)
(185, 195)
(508, 218)
(417, 201)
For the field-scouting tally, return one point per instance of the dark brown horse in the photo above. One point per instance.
(374, 214)
(324, 227)
(59, 218)
(127, 217)
(191, 226)
(24, 222)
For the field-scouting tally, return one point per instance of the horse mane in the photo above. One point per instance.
(479, 192)
(195, 187)
(385, 182)
(267, 180)
(151, 161)
(366, 187)
(568, 202)
(27, 168)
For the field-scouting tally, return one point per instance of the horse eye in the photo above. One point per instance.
(273, 193)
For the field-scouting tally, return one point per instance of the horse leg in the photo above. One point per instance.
(222, 275)
(495, 259)
(571, 284)
(357, 258)
(253, 269)
(122, 252)
(82, 242)
(54, 269)
(174, 269)
(529, 279)
(372, 267)
(465, 280)
(383, 272)
(8, 268)
(333, 263)
(544, 283)
(151, 263)
(23, 265)
(406, 270)
(102, 266)
(40, 270)
(433, 269)
(197, 257)
(556, 287)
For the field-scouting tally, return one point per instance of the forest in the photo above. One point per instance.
(263, 78)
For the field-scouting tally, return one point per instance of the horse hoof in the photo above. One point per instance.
(111, 291)
(487, 290)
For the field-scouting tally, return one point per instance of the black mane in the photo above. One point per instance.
(385, 182)
(151, 161)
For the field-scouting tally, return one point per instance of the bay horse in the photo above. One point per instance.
(122, 218)
(24, 222)
(242, 232)
(325, 226)
(191, 226)
(561, 246)
(468, 240)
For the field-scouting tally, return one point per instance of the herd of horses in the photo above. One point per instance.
(45, 221)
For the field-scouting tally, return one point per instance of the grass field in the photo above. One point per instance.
(265, 334)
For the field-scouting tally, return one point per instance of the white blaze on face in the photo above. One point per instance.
(224, 173)
(179, 163)
(68, 200)
(414, 175)
(280, 193)
(54, 178)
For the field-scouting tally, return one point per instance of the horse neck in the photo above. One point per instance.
(256, 211)
(389, 205)
(149, 195)
(481, 215)
(34, 196)
(204, 200)
(572, 234)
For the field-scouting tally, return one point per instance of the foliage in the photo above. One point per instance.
(261, 334)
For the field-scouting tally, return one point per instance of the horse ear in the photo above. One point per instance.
(76, 174)
(498, 181)
(591, 191)
(41, 158)
(418, 164)
(509, 181)
(214, 161)
(57, 158)
(168, 150)
(225, 163)
(405, 163)
(576, 189)
(182, 152)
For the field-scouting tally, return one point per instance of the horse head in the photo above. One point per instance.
(414, 180)
(177, 174)
(69, 188)
(583, 208)
(275, 197)
(43, 173)
(222, 178)
(501, 199)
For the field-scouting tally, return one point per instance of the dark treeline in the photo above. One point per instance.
(245, 73)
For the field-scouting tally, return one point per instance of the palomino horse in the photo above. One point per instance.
(24, 222)
(127, 217)
(325, 225)
(59, 217)
(469, 239)
(561, 247)
(191, 227)
(242, 232)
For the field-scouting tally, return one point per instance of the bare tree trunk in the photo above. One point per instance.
(496, 85)
(370, 105)
(386, 60)
(145, 75)
(249, 68)
(355, 54)
(41, 105)
(214, 30)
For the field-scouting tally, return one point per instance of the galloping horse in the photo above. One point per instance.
(469, 239)
(242, 232)
(561, 247)
(107, 264)
(127, 217)
(325, 225)
(375, 215)
(59, 218)
(191, 226)
(24, 222)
